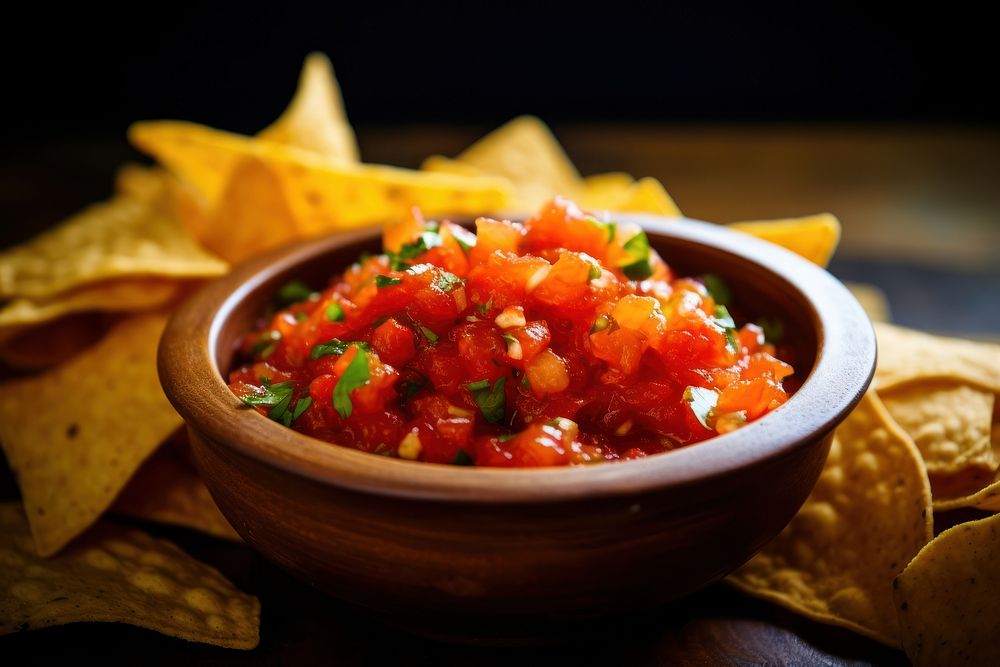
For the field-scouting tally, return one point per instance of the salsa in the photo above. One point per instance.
(562, 340)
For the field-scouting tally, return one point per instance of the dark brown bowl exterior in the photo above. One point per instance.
(497, 553)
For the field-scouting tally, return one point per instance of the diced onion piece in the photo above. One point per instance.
(512, 316)
(410, 447)
(458, 295)
(514, 350)
(537, 277)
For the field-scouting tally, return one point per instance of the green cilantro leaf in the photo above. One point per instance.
(266, 345)
(637, 265)
(424, 242)
(774, 329)
(429, 335)
(273, 394)
(356, 375)
(334, 346)
(725, 321)
(446, 282)
(484, 308)
(702, 402)
(386, 281)
(462, 459)
(466, 239)
(717, 289)
(335, 312)
(301, 406)
(490, 401)
(292, 292)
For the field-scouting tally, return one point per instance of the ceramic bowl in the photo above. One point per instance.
(506, 553)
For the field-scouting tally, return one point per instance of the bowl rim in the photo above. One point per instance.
(842, 371)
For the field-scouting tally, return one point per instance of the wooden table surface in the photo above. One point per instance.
(921, 213)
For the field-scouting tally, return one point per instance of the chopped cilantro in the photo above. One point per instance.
(637, 265)
(702, 402)
(429, 335)
(510, 338)
(386, 281)
(426, 241)
(774, 329)
(293, 291)
(484, 308)
(266, 345)
(717, 289)
(446, 282)
(462, 459)
(724, 320)
(490, 401)
(280, 397)
(335, 312)
(334, 346)
(507, 437)
(356, 375)
(301, 406)
(466, 239)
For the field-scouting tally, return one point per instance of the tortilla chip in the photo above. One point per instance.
(603, 192)
(872, 299)
(445, 165)
(946, 598)
(253, 215)
(986, 498)
(648, 196)
(950, 424)
(108, 296)
(868, 515)
(52, 343)
(167, 489)
(323, 195)
(118, 575)
(525, 152)
(119, 238)
(75, 436)
(315, 120)
(908, 356)
(149, 185)
(814, 237)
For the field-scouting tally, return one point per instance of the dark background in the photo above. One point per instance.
(86, 72)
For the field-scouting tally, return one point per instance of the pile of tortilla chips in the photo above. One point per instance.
(90, 432)
(861, 553)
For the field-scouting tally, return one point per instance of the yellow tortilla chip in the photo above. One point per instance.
(75, 435)
(51, 343)
(648, 196)
(950, 424)
(315, 120)
(873, 300)
(324, 196)
(604, 191)
(253, 215)
(149, 185)
(868, 515)
(444, 165)
(119, 238)
(947, 601)
(167, 489)
(525, 152)
(906, 356)
(814, 237)
(986, 498)
(118, 575)
(108, 296)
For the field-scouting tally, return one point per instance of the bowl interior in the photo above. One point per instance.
(828, 339)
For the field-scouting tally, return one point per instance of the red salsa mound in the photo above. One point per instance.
(561, 340)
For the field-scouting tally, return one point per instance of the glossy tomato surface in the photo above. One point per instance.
(562, 340)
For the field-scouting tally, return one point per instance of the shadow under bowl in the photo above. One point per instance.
(511, 554)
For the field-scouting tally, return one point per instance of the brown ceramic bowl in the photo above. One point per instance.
(458, 551)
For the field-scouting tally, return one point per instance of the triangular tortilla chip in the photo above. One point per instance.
(119, 238)
(950, 424)
(119, 575)
(814, 237)
(315, 120)
(75, 435)
(868, 515)
(323, 195)
(108, 296)
(905, 355)
(947, 601)
(168, 489)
